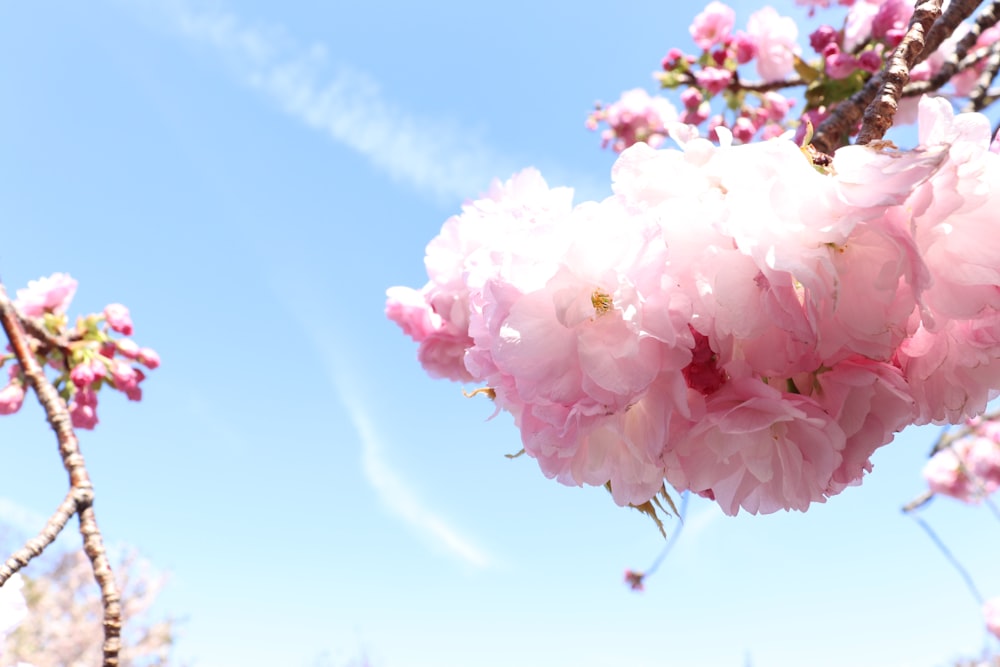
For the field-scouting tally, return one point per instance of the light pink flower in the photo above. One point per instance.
(991, 614)
(758, 449)
(46, 295)
(775, 37)
(712, 25)
(637, 117)
(968, 470)
(118, 318)
(858, 24)
(11, 398)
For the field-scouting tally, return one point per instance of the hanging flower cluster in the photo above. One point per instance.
(735, 320)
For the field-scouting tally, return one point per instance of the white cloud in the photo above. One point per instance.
(437, 158)
(398, 497)
(392, 488)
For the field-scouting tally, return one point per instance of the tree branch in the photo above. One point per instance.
(879, 114)
(957, 60)
(81, 489)
(34, 547)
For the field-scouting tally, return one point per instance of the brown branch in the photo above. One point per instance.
(766, 86)
(879, 114)
(957, 60)
(81, 488)
(34, 547)
(978, 98)
(956, 12)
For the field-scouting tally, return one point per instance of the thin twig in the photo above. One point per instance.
(83, 491)
(879, 114)
(978, 99)
(34, 547)
(966, 577)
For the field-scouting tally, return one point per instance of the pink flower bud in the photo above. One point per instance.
(691, 98)
(841, 65)
(128, 348)
(83, 409)
(744, 48)
(149, 358)
(871, 62)
(82, 374)
(119, 318)
(11, 398)
(714, 79)
(743, 130)
(822, 36)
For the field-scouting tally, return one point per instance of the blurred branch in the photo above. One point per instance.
(894, 77)
(36, 545)
(957, 60)
(81, 488)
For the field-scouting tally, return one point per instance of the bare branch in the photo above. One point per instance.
(978, 98)
(34, 547)
(879, 114)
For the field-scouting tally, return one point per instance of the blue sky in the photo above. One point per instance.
(249, 178)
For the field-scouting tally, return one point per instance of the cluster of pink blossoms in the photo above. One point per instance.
(734, 320)
(969, 468)
(755, 110)
(86, 358)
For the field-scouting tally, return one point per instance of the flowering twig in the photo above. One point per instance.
(82, 491)
(879, 114)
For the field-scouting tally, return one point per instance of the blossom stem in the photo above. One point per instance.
(681, 514)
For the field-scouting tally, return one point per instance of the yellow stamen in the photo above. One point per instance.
(601, 301)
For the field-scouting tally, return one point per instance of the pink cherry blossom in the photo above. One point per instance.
(118, 318)
(46, 295)
(775, 37)
(712, 25)
(758, 449)
(968, 470)
(636, 117)
(858, 24)
(11, 398)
